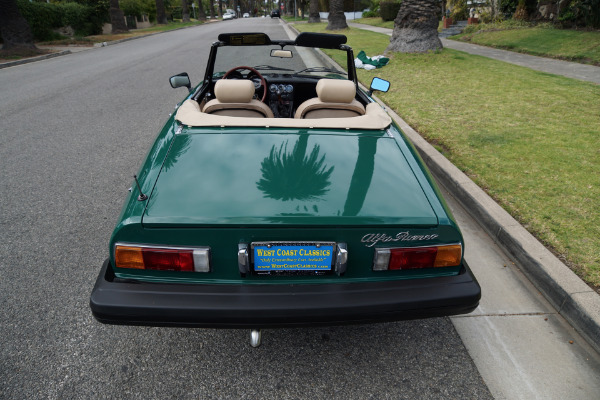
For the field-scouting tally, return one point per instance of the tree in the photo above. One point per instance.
(14, 29)
(212, 9)
(336, 19)
(313, 14)
(117, 19)
(161, 15)
(185, 11)
(415, 27)
(201, 12)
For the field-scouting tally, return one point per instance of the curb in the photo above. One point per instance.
(34, 59)
(573, 299)
(104, 44)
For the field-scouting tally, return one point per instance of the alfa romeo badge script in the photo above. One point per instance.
(373, 238)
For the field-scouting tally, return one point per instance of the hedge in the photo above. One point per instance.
(389, 10)
(43, 18)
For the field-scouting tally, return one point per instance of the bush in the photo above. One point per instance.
(82, 19)
(44, 17)
(370, 14)
(500, 25)
(583, 13)
(138, 7)
(485, 17)
(389, 10)
(458, 9)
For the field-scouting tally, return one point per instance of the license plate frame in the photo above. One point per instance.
(313, 261)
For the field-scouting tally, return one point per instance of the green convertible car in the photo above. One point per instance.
(281, 194)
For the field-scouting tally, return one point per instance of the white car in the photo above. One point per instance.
(227, 16)
(246, 15)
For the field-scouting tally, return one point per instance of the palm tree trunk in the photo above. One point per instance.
(212, 9)
(117, 19)
(14, 29)
(415, 27)
(161, 15)
(185, 11)
(313, 15)
(336, 19)
(201, 12)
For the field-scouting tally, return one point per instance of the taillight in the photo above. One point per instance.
(417, 257)
(163, 258)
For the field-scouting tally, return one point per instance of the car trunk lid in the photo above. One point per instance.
(301, 178)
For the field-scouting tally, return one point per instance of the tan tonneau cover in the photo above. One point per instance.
(375, 118)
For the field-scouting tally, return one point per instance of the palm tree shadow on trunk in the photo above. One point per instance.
(294, 175)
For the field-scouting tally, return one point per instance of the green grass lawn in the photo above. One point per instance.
(290, 18)
(381, 23)
(375, 22)
(530, 139)
(580, 46)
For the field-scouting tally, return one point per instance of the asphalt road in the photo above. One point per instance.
(74, 130)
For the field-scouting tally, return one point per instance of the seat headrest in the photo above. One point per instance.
(336, 91)
(234, 90)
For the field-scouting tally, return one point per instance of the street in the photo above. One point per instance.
(74, 131)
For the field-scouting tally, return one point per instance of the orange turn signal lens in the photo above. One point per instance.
(129, 257)
(448, 256)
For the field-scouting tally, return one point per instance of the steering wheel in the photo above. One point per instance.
(263, 83)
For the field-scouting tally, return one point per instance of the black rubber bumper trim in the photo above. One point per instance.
(264, 306)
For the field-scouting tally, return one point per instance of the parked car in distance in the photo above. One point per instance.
(279, 193)
(276, 13)
(228, 15)
(246, 15)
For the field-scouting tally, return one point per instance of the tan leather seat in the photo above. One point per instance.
(336, 99)
(234, 99)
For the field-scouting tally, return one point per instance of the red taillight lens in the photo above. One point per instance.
(417, 257)
(423, 257)
(163, 259)
(168, 260)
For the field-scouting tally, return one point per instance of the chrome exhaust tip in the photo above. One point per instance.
(255, 337)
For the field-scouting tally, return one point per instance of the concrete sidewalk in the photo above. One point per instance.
(573, 70)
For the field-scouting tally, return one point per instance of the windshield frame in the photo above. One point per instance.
(209, 73)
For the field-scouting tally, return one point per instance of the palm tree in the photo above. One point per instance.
(201, 12)
(185, 11)
(117, 19)
(415, 27)
(212, 9)
(313, 14)
(14, 29)
(294, 175)
(336, 19)
(161, 15)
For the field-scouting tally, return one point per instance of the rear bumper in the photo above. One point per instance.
(263, 306)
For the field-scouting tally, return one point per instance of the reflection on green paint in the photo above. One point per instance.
(294, 175)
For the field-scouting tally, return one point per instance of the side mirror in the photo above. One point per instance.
(181, 80)
(281, 53)
(380, 85)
